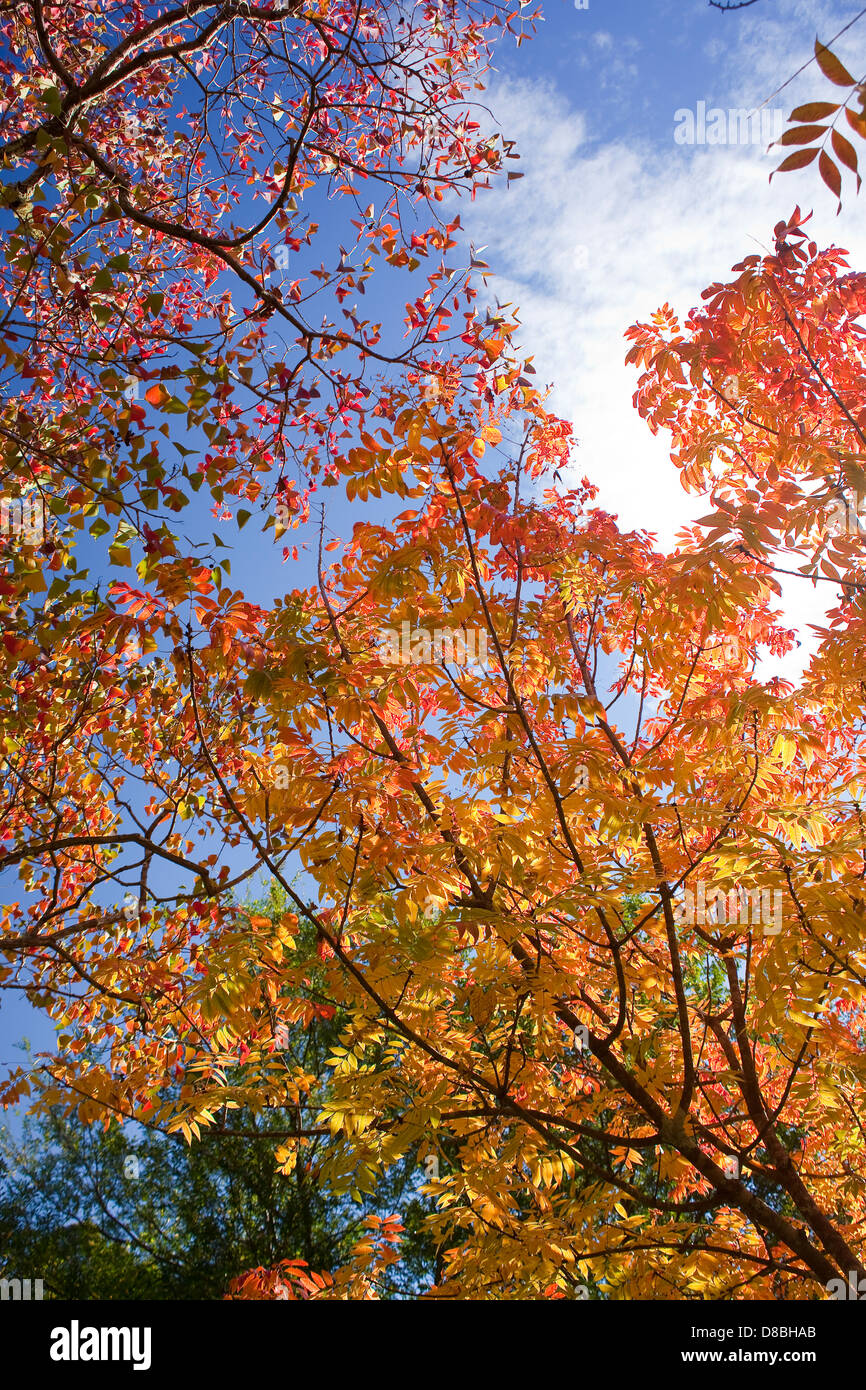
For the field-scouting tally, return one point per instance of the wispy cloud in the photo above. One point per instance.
(599, 233)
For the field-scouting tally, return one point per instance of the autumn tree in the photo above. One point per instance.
(163, 167)
(129, 1212)
(585, 897)
(674, 1090)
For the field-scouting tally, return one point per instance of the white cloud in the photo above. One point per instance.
(597, 235)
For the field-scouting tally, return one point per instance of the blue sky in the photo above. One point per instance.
(612, 218)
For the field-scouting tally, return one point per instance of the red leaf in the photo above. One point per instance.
(857, 121)
(829, 173)
(847, 153)
(801, 134)
(797, 160)
(813, 111)
(831, 67)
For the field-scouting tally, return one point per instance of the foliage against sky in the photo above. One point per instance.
(494, 863)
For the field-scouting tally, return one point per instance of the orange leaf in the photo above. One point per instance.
(493, 347)
(829, 173)
(857, 121)
(846, 152)
(156, 394)
(797, 160)
(813, 111)
(831, 67)
(801, 134)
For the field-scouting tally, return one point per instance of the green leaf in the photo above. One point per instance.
(51, 99)
(258, 684)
